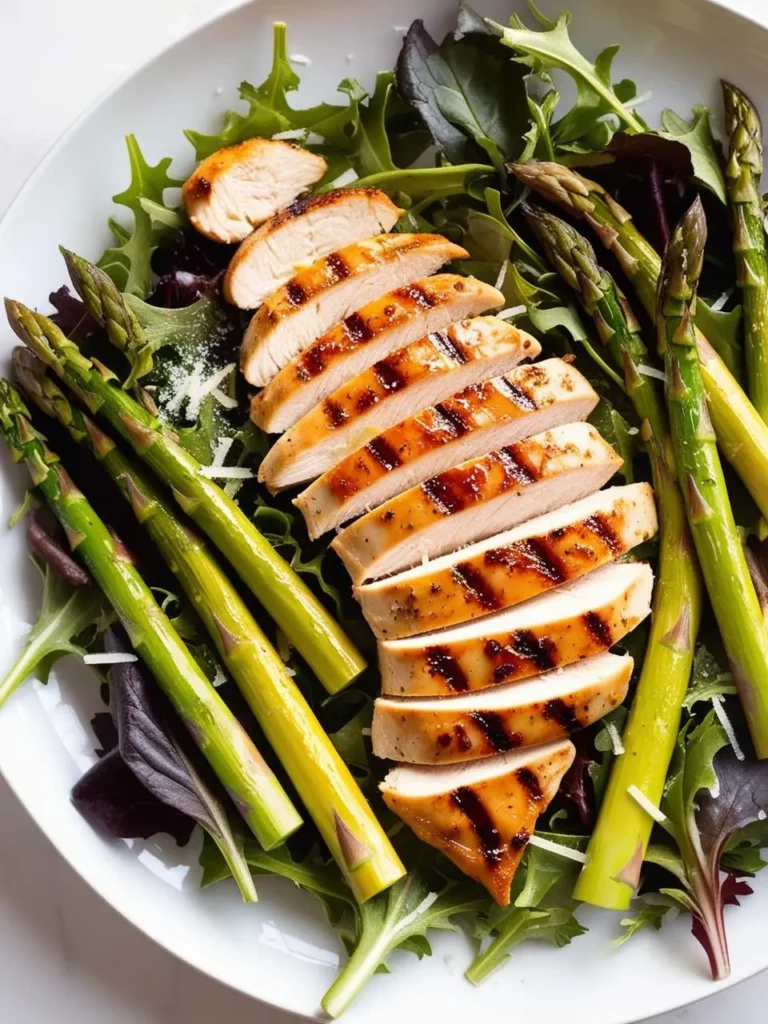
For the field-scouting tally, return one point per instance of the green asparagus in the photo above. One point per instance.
(620, 837)
(742, 176)
(700, 473)
(299, 614)
(322, 779)
(232, 755)
(741, 433)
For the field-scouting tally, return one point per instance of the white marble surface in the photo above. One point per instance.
(65, 956)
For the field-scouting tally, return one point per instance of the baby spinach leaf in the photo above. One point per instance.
(128, 261)
(697, 137)
(66, 613)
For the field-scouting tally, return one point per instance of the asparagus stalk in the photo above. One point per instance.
(742, 176)
(700, 473)
(105, 303)
(620, 838)
(229, 750)
(741, 433)
(322, 779)
(299, 614)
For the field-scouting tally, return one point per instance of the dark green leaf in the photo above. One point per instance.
(705, 153)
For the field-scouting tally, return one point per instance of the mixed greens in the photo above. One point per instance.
(665, 807)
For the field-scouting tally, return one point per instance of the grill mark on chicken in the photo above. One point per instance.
(475, 586)
(198, 188)
(530, 781)
(598, 628)
(516, 394)
(557, 710)
(415, 295)
(540, 650)
(357, 329)
(443, 495)
(451, 419)
(440, 662)
(447, 347)
(365, 400)
(520, 839)
(516, 469)
(463, 741)
(532, 555)
(334, 414)
(338, 266)
(476, 813)
(384, 453)
(388, 375)
(602, 528)
(495, 731)
(295, 294)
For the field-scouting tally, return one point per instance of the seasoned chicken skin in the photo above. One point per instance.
(477, 499)
(413, 377)
(368, 335)
(444, 730)
(305, 231)
(480, 814)
(511, 567)
(562, 626)
(236, 188)
(330, 290)
(473, 422)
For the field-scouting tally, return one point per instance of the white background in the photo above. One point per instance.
(65, 956)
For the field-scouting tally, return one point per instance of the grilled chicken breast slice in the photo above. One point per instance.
(505, 570)
(307, 230)
(412, 378)
(477, 420)
(236, 188)
(369, 334)
(480, 814)
(477, 499)
(444, 730)
(329, 290)
(563, 626)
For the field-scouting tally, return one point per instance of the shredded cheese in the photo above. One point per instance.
(651, 371)
(223, 399)
(222, 450)
(651, 809)
(502, 275)
(288, 136)
(185, 388)
(109, 659)
(425, 904)
(718, 304)
(613, 732)
(346, 178)
(204, 388)
(227, 472)
(219, 679)
(300, 59)
(562, 851)
(719, 705)
(511, 311)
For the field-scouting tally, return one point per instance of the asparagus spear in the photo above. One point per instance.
(322, 779)
(741, 433)
(232, 755)
(620, 837)
(106, 305)
(700, 473)
(742, 176)
(308, 626)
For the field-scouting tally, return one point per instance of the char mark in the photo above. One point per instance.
(529, 555)
(556, 710)
(476, 813)
(602, 528)
(539, 650)
(516, 394)
(447, 347)
(338, 266)
(530, 781)
(520, 839)
(357, 329)
(451, 420)
(440, 662)
(445, 498)
(388, 375)
(475, 586)
(598, 629)
(334, 414)
(365, 400)
(415, 295)
(499, 738)
(295, 293)
(516, 470)
(200, 187)
(383, 452)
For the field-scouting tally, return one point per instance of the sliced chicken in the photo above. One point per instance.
(443, 730)
(511, 567)
(425, 372)
(307, 230)
(479, 419)
(241, 186)
(563, 626)
(368, 335)
(480, 814)
(329, 290)
(477, 499)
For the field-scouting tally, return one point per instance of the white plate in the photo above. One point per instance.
(281, 951)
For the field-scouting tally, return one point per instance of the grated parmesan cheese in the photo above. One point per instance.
(204, 387)
(562, 851)
(512, 311)
(288, 136)
(613, 732)
(651, 809)
(227, 472)
(221, 450)
(719, 705)
(346, 178)
(109, 659)
(502, 275)
(651, 371)
(718, 304)
(223, 399)
(300, 59)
